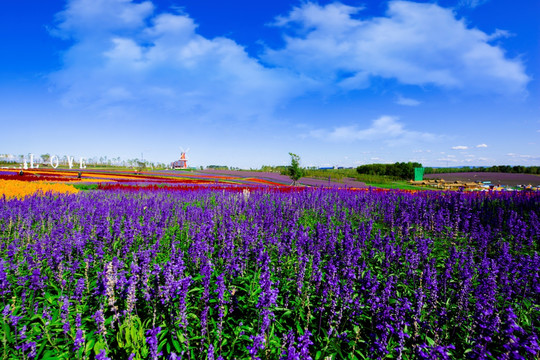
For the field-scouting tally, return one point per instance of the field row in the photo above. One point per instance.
(267, 275)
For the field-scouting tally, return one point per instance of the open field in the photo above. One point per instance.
(495, 178)
(398, 185)
(345, 182)
(165, 267)
(179, 177)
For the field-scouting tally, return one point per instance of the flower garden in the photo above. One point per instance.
(154, 266)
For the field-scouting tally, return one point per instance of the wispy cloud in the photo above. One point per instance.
(499, 34)
(448, 159)
(415, 43)
(460, 147)
(481, 146)
(524, 157)
(384, 128)
(407, 101)
(472, 3)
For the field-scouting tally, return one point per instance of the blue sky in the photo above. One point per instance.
(243, 83)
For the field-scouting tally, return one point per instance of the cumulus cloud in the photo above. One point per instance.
(407, 101)
(460, 147)
(481, 146)
(125, 53)
(384, 128)
(415, 43)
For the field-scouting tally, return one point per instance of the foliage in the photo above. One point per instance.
(141, 165)
(86, 187)
(310, 274)
(400, 170)
(295, 172)
(403, 185)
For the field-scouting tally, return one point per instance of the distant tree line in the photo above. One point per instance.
(102, 161)
(401, 170)
(517, 169)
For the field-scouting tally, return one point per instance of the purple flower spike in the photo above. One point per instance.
(151, 340)
(102, 355)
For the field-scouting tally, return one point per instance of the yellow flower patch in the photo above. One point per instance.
(20, 189)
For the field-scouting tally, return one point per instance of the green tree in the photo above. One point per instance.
(141, 166)
(45, 157)
(295, 171)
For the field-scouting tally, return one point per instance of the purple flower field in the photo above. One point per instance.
(313, 274)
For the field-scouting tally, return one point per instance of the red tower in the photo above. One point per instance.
(182, 163)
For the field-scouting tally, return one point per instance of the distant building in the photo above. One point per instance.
(182, 163)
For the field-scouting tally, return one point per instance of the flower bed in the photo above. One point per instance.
(21, 189)
(259, 274)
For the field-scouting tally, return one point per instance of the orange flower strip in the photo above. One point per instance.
(21, 189)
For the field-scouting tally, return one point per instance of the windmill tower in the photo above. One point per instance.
(183, 158)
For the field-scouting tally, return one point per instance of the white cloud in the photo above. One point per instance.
(124, 54)
(415, 43)
(524, 157)
(472, 3)
(481, 146)
(460, 147)
(407, 101)
(498, 34)
(447, 159)
(385, 128)
(97, 18)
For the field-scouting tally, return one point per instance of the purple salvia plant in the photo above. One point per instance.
(152, 341)
(64, 314)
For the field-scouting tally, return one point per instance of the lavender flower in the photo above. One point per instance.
(102, 355)
(100, 322)
(64, 314)
(151, 340)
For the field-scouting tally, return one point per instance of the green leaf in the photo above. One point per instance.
(7, 332)
(299, 329)
(89, 345)
(99, 346)
(176, 344)
(50, 354)
(40, 350)
(135, 335)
